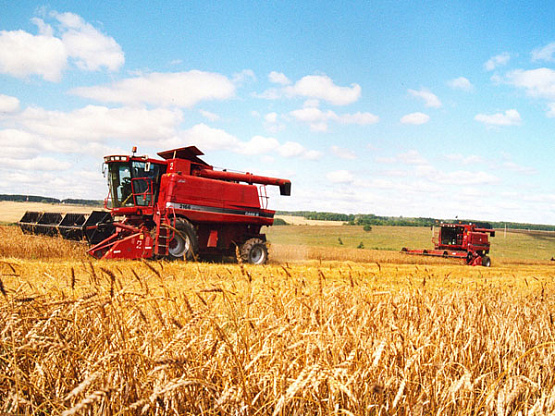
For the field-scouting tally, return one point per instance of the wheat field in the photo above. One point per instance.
(310, 336)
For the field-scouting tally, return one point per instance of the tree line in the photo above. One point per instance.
(371, 219)
(48, 200)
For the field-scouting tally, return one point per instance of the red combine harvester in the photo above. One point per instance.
(176, 208)
(466, 241)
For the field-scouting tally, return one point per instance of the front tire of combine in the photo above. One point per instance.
(254, 251)
(184, 244)
(486, 261)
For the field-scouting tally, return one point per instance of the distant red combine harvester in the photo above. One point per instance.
(466, 241)
(179, 207)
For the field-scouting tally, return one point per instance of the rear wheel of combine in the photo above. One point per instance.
(184, 244)
(486, 261)
(254, 251)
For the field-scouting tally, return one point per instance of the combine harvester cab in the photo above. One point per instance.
(176, 207)
(465, 241)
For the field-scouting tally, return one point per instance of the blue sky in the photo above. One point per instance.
(439, 109)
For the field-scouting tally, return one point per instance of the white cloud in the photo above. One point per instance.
(544, 53)
(508, 118)
(278, 78)
(209, 115)
(497, 61)
(322, 87)
(415, 118)
(430, 99)
(538, 83)
(340, 176)
(318, 119)
(271, 117)
(343, 153)
(208, 138)
(524, 170)
(18, 144)
(291, 149)
(91, 49)
(464, 160)
(464, 178)
(258, 145)
(244, 76)
(46, 54)
(412, 157)
(359, 118)
(98, 123)
(312, 155)
(551, 110)
(8, 104)
(23, 54)
(181, 89)
(35, 164)
(461, 83)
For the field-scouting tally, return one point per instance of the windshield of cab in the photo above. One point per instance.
(133, 183)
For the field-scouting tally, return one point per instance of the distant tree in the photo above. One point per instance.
(367, 228)
(280, 221)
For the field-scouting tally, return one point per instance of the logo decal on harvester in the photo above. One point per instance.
(231, 211)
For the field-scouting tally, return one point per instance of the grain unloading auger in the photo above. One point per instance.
(177, 208)
(465, 241)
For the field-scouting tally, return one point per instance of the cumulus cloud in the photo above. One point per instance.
(8, 104)
(181, 89)
(278, 78)
(47, 54)
(312, 87)
(415, 118)
(412, 157)
(524, 170)
(551, 110)
(271, 117)
(430, 99)
(318, 119)
(340, 176)
(244, 76)
(461, 83)
(99, 123)
(538, 83)
(343, 153)
(464, 160)
(544, 53)
(294, 149)
(497, 61)
(508, 118)
(35, 164)
(19, 144)
(462, 177)
(209, 138)
(258, 145)
(90, 48)
(322, 87)
(23, 54)
(209, 115)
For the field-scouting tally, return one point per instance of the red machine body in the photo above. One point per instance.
(176, 207)
(466, 241)
(181, 207)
